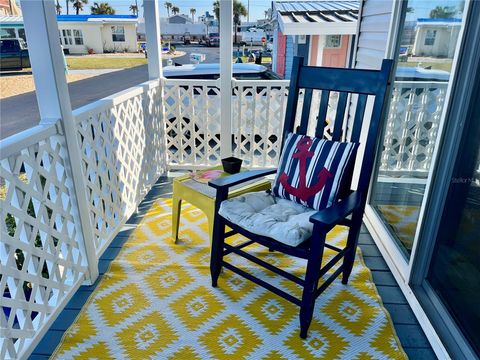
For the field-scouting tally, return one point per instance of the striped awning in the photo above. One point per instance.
(317, 17)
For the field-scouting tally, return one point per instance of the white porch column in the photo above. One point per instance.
(226, 49)
(154, 43)
(54, 102)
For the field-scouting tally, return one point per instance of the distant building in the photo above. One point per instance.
(436, 37)
(208, 19)
(320, 31)
(180, 19)
(80, 34)
(9, 7)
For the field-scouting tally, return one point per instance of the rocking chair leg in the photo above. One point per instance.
(311, 281)
(352, 242)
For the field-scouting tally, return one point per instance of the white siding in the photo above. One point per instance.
(373, 33)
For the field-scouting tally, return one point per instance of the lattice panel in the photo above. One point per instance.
(117, 145)
(314, 108)
(154, 160)
(192, 119)
(257, 124)
(412, 126)
(41, 248)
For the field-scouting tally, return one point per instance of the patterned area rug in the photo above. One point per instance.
(403, 220)
(156, 302)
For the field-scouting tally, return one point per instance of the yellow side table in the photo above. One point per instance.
(203, 197)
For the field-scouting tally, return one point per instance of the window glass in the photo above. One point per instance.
(426, 47)
(21, 34)
(118, 33)
(333, 41)
(78, 36)
(430, 37)
(7, 33)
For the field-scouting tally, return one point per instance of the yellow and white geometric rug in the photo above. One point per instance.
(156, 302)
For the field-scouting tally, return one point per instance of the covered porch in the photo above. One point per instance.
(78, 185)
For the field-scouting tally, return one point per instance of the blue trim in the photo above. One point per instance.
(78, 18)
(429, 20)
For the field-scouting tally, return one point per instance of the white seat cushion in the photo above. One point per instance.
(264, 214)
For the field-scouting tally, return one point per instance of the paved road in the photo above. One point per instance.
(20, 112)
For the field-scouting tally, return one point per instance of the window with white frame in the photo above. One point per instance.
(430, 37)
(118, 33)
(333, 41)
(71, 37)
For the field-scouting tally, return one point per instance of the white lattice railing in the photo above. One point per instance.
(192, 117)
(121, 140)
(43, 253)
(412, 127)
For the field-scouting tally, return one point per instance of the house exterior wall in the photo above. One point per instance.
(91, 33)
(444, 44)
(289, 53)
(281, 54)
(98, 36)
(373, 34)
(336, 57)
(130, 43)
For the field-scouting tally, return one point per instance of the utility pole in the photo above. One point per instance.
(248, 10)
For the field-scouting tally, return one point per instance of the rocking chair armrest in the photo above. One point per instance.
(235, 179)
(332, 215)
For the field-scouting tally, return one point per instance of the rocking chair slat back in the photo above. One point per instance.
(339, 116)
(322, 114)
(307, 103)
(359, 114)
(350, 84)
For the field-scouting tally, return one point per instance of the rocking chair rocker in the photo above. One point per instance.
(353, 87)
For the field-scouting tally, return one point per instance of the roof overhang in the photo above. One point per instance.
(317, 18)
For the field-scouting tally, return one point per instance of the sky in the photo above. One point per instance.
(257, 7)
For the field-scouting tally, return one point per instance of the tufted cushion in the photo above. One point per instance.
(314, 172)
(264, 214)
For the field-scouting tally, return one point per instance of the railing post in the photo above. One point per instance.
(154, 43)
(226, 50)
(54, 103)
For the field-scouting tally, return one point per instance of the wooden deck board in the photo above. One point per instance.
(408, 330)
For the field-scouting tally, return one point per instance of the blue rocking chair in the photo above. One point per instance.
(354, 87)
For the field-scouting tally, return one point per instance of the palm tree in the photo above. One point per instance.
(266, 14)
(442, 12)
(134, 9)
(58, 8)
(78, 5)
(102, 8)
(168, 5)
(193, 11)
(216, 9)
(175, 10)
(238, 10)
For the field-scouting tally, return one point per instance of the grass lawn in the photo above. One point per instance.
(447, 66)
(103, 63)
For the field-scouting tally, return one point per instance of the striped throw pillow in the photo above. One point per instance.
(312, 171)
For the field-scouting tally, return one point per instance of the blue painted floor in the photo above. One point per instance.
(408, 330)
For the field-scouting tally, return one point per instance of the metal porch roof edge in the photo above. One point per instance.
(317, 17)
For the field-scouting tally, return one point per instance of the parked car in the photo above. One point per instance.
(213, 39)
(212, 72)
(13, 54)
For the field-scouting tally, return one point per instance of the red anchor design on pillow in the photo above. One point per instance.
(302, 191)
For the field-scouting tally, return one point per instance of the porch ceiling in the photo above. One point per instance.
(317, 18)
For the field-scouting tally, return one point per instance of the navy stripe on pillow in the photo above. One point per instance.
(314, 154)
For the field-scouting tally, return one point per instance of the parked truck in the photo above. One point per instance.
(13, 54)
